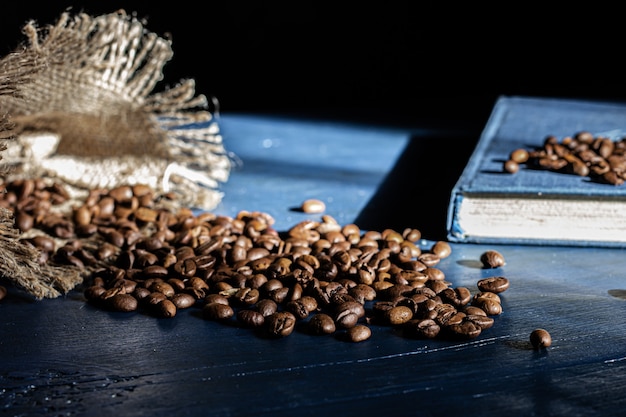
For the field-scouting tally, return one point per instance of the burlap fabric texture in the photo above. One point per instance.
(83, 109)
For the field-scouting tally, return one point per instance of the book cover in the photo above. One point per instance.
(538, 206)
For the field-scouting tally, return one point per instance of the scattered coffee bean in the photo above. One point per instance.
(465, 329)
(421, 328)
(490, 306)
(494, 285)
(217, 311)
(313, 206)
(3, 292)
(519, 155)
(280, 324)
(540, 338)
(122, 302)
(511, 166)
(183, 300)
(165, 308)
(359, 333)
(481, 320)
(321, 324)
(398, 315)
(250, 318)
(441, 249)
(492, 259)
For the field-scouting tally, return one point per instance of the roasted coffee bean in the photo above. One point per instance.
(185, 268)
(346, 319)
(444, 313)
(398, 315)
(340, 298)
(43, 243)
(490, 306)
(482, 320)
(362, 293)
(467, 329)
(266, 307)
(197, 283)
(154, 298)
(310, 303)
(352, 307)
(250, 318)
(92, 293)
(493, 284)
(177, 283)
(519, 155)
(492, 259)
(473, 311)
(441, 249)
(298, 309)
(183, 300)
(421, 329)
(379, 308)
(155, 271)
(216, 298)
(24, 221)
(280, 324)
(540, 339)
(3, 292)
(438, 285)
(140, 293)
(122, 302)
(321, 324)
(429, 259)
(279, 295)
(162, 287)
(312, 206)
(246, 296)
(396, 291)
(165, 308)
(217, 311)
(486, 295)
(434, 274)
(511, 166)
(411, 303)
(358, 333)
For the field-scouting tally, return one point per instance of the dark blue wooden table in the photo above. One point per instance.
(64, 357)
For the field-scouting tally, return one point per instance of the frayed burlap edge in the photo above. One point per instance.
(19, 261)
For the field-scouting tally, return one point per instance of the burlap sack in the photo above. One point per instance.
(84, 113)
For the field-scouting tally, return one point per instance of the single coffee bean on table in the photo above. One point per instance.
(313, 206)
(492, 259)
(540, 339)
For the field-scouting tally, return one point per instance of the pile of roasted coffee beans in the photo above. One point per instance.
(318, 277)
(599, 158)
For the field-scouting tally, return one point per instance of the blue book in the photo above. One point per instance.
(539, 205)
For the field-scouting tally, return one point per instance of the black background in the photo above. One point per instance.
(421, 63)
(413, 62)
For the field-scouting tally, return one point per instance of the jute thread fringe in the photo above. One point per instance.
(84, 112)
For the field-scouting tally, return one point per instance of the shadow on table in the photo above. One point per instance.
(416, 192)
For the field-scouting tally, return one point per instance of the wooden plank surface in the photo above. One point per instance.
(66, 357)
